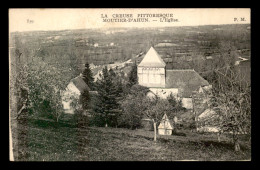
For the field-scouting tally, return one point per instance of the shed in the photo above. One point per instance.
(166, 126)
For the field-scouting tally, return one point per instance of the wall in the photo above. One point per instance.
(208, 129)
(164, 132)
(71, 92)
(187, 103)
(163, 93)
(151, 76)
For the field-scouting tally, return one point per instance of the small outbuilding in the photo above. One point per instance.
(166, 126)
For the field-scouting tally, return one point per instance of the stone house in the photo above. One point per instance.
(72, 93)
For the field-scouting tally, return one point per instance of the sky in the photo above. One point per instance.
(62, 19)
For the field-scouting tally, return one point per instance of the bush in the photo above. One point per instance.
(133, 106)
(96, 120)
(80, 119)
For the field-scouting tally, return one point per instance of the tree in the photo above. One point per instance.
(41, 85)
(88, 76)
(45, 83)
(231, 94)
(18, 83)
(133, 76)
(85, 100)
(232, 101)
(133, 106)
(156, 108)
(175, 103)
(107, 106)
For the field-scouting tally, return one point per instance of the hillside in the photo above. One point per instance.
(66, 142)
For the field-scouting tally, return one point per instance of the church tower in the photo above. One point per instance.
(151, 70)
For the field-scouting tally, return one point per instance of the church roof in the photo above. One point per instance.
(185, 80)
(80, 84)
(152, 59)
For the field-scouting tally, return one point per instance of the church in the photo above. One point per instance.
(162, 82)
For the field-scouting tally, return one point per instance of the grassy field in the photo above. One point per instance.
(44, 141)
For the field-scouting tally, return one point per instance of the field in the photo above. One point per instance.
(41, 140)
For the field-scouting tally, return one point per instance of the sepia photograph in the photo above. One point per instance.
(129, 84)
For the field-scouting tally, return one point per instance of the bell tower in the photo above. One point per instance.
(151, 70)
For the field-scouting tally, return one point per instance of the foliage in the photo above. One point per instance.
(175, 103)
(88, 77)
(43, 83)
(157, 108)
(85, 99)
(133, 106)
(81, 120)
(107, 107)
(136, 89)
(133, 76)
(136, 106)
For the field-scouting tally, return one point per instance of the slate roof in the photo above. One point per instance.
(152, 59)
(187, 80)
(80, 84)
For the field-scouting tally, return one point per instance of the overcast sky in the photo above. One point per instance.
(61, 19)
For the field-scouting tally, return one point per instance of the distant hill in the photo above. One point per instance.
(117, 45)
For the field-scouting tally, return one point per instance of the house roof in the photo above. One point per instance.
(185, 80)
(207, 114)
(152, 59)
(80, 84)
(165, 123)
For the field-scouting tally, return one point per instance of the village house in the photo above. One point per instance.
(72, 93)
(205, 119)
(162, 82)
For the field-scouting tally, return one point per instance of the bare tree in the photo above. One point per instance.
(232, 101)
